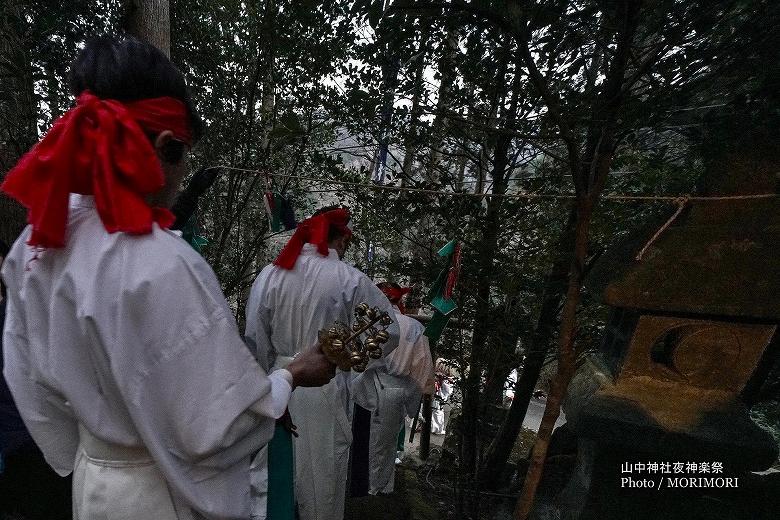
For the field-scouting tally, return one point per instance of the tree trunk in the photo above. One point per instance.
(589, 176)
(448, 74)
(52, 92)
(554, 288)
(392, 32)
(425, 433)
(460, 169)
(267, 58)
(506, 333)
(150, 21)
(494, 384)
(265, 64)
(483, 319)
(412, 140)
(566, 360)
(484, 155)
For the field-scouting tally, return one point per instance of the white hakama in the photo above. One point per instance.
(408, 372)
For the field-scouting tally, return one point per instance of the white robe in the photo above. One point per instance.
(408, 373)
(130, 338)
(438, 425)
(286, 310)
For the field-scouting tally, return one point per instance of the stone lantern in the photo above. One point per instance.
(693, 330)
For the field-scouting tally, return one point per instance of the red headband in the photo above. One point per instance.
(313, 230)
(100, 147)
(395, 295)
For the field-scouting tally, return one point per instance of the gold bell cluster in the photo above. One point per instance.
(350, 348)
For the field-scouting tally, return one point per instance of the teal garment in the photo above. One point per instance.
(401, 438)
(281, 471)
(281, 215)
(190, 233)
(276, 213)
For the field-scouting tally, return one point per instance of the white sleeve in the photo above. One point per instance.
(446, 390)
(418, 364)
(257, 333)
(275, 403)
(190, 383)
(46, 414)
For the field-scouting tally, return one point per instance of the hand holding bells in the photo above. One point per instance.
(343, 346)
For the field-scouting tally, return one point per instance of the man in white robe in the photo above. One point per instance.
(408, 373)
(442, 395)
(307, 289)
(120, 350)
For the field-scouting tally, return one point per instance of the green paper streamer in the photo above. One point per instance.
(435, 327)
(443, 306)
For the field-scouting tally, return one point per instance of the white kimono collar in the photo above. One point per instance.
(77, 200)
(311, 250)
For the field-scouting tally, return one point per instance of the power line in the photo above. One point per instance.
(544, 196)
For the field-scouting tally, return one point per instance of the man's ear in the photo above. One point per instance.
(168, 149)
(162, 139)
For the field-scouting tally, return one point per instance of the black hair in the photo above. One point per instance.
(333, 231)
(127, 69)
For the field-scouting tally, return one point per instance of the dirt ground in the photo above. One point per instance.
(426, 490)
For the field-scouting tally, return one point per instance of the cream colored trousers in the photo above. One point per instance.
(116, 483)
(386, 422)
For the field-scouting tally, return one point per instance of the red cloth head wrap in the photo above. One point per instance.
(395, 295)
(100, 147)
(313, 230)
